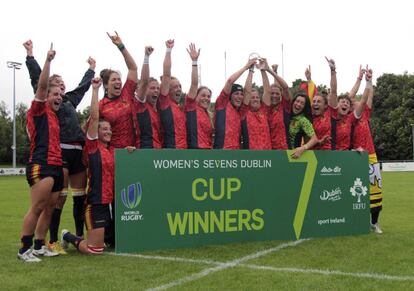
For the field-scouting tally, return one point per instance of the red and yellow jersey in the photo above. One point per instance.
(279, 124)
(43, 130)
(101, 172)
(362, 137)
(119, 112)
(149, 131)
(227, 124)
(255, 128)
(172, 122)
(322, 125)
(199, 127)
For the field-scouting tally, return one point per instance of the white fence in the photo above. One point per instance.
(12, 171)
(397, 166)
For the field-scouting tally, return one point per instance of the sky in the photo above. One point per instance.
(351, 32)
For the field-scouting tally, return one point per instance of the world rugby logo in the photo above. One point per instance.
(132, 197)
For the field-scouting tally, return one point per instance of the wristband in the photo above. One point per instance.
(169, 49)
(121, 47)
(369, 84)
(251, 70)
(195, 63)
(146, 60)
(306, 147)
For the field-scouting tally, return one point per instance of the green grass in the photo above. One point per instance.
(391, 253)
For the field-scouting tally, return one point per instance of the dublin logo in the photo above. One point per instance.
(132, 197)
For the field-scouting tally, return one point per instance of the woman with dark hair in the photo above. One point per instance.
(101, 168)
(117, 105)
(197, 101)
(301, 125)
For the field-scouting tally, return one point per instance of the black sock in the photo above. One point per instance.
(73, 239)
(79, 213)
(54, 225)
(38, 243)
(374, 217)
(27, 242)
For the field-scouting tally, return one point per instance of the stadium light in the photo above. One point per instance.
(15, 66)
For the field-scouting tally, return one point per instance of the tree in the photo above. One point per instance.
(393, 114)
(5, 135)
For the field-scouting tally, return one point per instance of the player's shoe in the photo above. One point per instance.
(45, 251)
(376, 228)
(56, 247)
(28, 257)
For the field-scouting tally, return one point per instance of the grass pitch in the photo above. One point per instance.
(365, 262)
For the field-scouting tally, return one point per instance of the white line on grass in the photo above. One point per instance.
(226, 265)
(174, 259)
(331, 272)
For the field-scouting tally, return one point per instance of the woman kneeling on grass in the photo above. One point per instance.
(100, 157)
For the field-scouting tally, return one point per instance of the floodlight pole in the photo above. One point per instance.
(412, 137)
(15, 66)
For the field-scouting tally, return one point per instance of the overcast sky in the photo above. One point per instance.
(351, 32)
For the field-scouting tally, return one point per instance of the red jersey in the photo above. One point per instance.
(343, 130)
(101, 171)
(43, 130)
(172, 122)
(322, 125)
(255, 128)
(199, 127)
(227, 124)
(362, 133)
(279, 125)
(119, 112)
(148, 133)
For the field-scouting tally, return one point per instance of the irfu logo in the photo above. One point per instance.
(358, 190)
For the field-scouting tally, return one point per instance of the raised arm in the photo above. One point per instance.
(282, 83)
(233, 78)
(32, 65)
(248, 87)
(145, 73)
(194, 54)
(166, 74)
(264, 67)
(368, 77)
(42, 87)
(129, 60)
(94, 110)
(368, 88)
(357, 84)
(333, 94)
(75, 96)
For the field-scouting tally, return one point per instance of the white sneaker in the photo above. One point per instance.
(28, 257)
(46, 252)
(376, 228)
(63, 243)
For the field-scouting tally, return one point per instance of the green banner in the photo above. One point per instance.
(186, 198)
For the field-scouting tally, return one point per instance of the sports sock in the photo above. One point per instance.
(27, 242)
(38, 243)
(73, 239)
(79, 213)
(374, 217)
(54, 225)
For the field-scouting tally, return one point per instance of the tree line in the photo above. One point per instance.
(391, 121)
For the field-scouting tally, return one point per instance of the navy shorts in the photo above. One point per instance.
(36, 172)
(72, 160)
(97, 216)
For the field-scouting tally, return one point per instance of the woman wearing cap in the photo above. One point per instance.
(227, 116)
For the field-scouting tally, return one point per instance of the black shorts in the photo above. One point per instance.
(97, 216)
(36, 172)
(72, 160)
